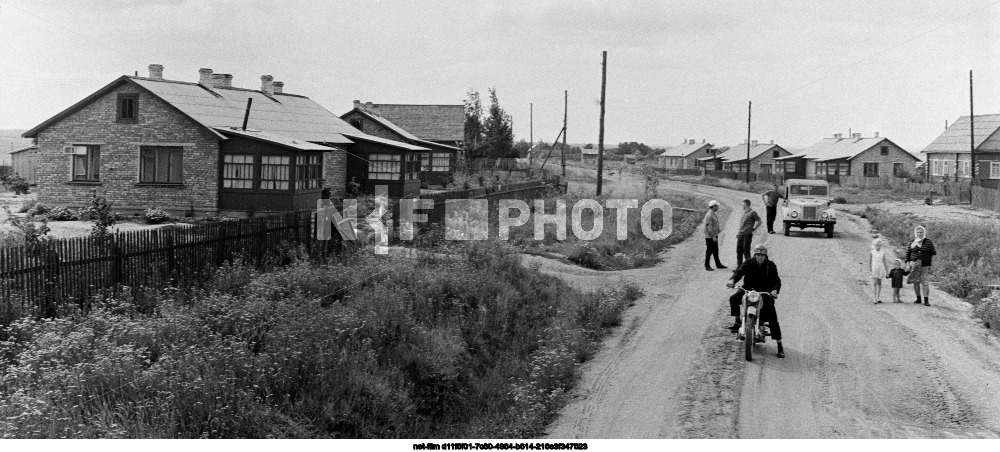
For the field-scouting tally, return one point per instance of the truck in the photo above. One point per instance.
(807, 205)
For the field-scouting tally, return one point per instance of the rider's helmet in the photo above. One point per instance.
(760, 249)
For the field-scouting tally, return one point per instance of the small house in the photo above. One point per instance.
(833, 157)
(951, 152)
(685, 156)
(761, 160)
(24, 163)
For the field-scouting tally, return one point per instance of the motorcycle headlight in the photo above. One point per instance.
(824, 215)
(794, 214)
(753, 297)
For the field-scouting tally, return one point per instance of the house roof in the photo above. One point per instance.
(18, 151)
(738, 152)
(429, 122)
(411, 138)
(358, 135)
(292, 143)
(686, 149)
(955, 139)
(841, 148)
(591, 151)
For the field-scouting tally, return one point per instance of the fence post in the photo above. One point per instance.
(171, 258)
(116, 251)
(220, 245)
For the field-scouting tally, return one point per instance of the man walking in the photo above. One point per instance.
(712, 231)
(771, 202)
(748, 224)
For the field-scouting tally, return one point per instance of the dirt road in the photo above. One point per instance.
(852, 368)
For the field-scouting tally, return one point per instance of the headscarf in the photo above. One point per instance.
(876, 242)
(916, 242)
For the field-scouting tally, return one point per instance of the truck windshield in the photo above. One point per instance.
(807, 190)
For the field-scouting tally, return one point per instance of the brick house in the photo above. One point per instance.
(951, 151)
(436, 165)
(762, 158)
(203, 146)
(686, 155)
(854, 156)
(441, 124)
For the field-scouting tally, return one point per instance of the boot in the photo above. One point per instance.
(926, 302)
(781, 351)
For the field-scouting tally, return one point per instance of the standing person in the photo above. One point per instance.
(876, 263)
(712, 231)
(771, 203)
(896, 275)
(919, 256)
(748, 224)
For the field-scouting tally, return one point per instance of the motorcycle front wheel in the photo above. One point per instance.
(749, 329)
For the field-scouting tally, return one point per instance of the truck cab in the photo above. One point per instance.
(807, 205)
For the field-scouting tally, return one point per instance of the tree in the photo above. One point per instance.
(498, 134)
(522, 148)
(473, 125)
(589, 146)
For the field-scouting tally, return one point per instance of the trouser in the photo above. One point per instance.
(772, 211)
(767, 312)
(743, 248)
(712, 250)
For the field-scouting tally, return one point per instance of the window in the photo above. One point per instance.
(765, 168)
(441, 161)
(946, 168)
(237, 171)
(790, 166)
(898, 170)
(425, 161)
(994, 170)
(871, 169)
(128, 107)
(966, 168)
(935, 167)
(775, 154)
(86, 163)
(274, 172)
(884, 150)
(357, 124)
(160, 164)
(820, 169)
(412, 167)
(383, 166)
(309, 172)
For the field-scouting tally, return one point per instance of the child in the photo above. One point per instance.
(896, 275)
(879, 270)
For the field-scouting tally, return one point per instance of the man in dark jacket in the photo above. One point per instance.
(761, 275)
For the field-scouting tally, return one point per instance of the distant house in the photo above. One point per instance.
(685, 156)
(762, 158)
(954, 145)
(588, 155)
(24, 162)
(206, 146)
(854, 156)
(442, 124)
(437, 164)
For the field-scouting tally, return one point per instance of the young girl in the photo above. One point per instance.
(896, 275)
(876, 261)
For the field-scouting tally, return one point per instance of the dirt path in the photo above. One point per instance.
(853, 369)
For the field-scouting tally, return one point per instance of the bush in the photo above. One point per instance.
(62, 213)
(839, 200)
(37, 208)
(156, 215)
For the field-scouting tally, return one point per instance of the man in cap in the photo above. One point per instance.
(771, 202)
(712, 231)
(761, 275)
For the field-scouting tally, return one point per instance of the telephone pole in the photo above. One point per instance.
(600, 135)
(972, 134)
(531, 126)
(749, 108)
(565, 111)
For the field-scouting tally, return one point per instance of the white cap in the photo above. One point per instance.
(713, 203)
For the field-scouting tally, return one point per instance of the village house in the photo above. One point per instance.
(441, 124)
(437, 164)
(833, 157)
(951, 151)
(588, 155)
(206, 147)
(762, 158)
(684, 156)
(24, 163)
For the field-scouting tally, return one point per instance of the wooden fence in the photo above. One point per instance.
(37, 278)
(521, 190)
(986, 198)
(962, 191)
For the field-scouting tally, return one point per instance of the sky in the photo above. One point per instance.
(676, 70)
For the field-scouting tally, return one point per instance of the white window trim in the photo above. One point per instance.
(994, 170)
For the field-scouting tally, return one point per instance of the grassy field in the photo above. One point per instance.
(363, 347)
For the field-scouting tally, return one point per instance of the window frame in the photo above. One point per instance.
(169, 159)
(91, 160)
(308, 171)
(384, 163)
(870, 169)
(898, 168)
(119, 108)
(883, 150)
(436, 159)
(250, 181)
(411, 166)
(268, 169)
(995, 170)
(358, 123)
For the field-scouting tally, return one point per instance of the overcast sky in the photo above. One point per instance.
(676, 69)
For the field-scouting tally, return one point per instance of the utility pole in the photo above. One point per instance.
(531, 126)
(565, 111)
(749, 108)
(972, 134)
(600, 135)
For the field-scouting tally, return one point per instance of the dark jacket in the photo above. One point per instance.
(924, 253)
(759, 277)
(896, 275)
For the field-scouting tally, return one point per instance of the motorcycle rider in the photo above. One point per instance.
(759, 274)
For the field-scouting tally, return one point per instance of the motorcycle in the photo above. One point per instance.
(751, 306)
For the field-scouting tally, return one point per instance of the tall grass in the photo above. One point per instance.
(364, 347)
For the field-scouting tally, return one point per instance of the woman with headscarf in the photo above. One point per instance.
(878, 267)
(918, 257)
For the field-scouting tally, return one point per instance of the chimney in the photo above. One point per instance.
(267, 84)
(357, 104)
(205, 77)
(279, 87)
(753, 143)
(369, 106)
(772, 141)
(838, 135)
(692, 141)
(702, 141)
(876, 134)
(222, 81)
(156, 71)
(856, 135)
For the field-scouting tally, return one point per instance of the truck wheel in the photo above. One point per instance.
(829, 231)
(788, 227)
